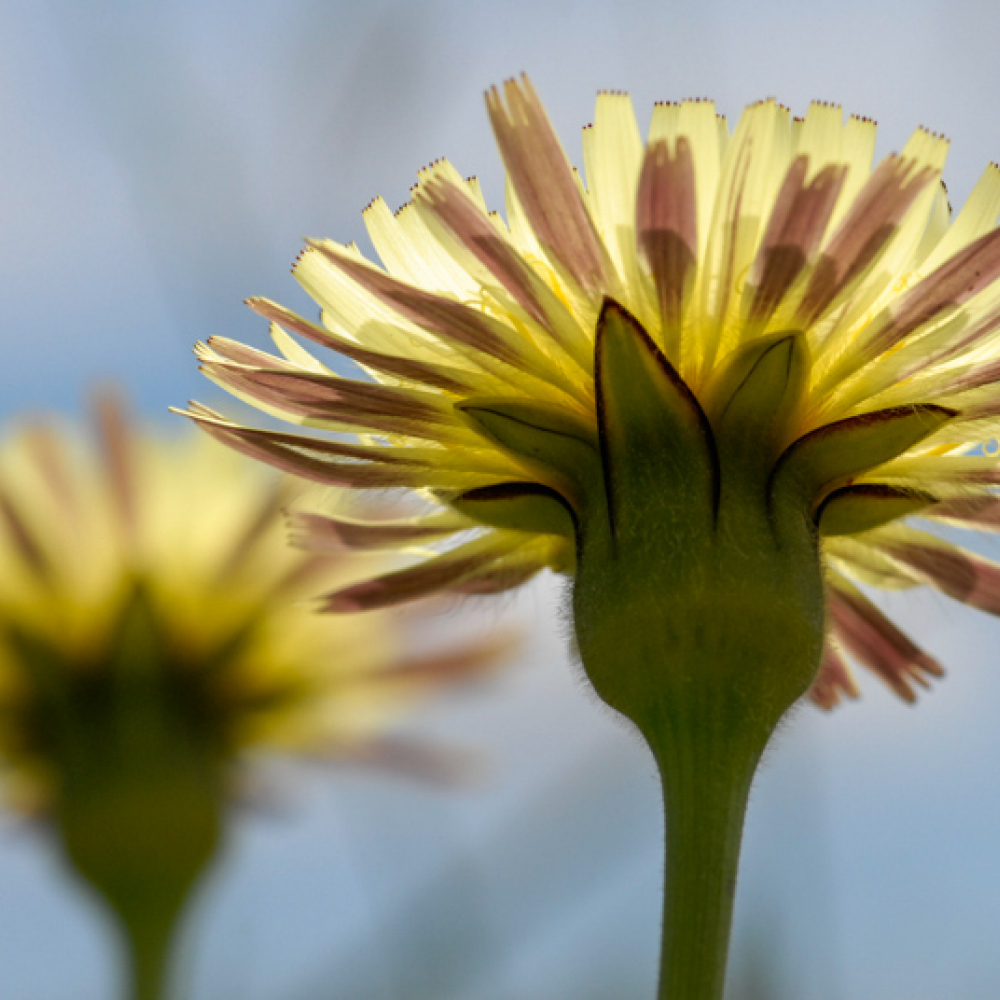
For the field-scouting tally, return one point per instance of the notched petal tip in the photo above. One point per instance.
(833, 682)
(877, 643)
(543, 179)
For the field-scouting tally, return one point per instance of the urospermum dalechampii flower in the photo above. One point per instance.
(713, 382)
(153, 633)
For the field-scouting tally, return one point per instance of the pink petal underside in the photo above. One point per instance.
(982, 513)
(878, 644)
(24, 543)
(384, 408)
(667, 224)
(297, 455)
(544, 182)
(496, 579)
(438, 376)
(959, 574)
(470, 224)
(798, 221)
(977, 477)
(865, 230)
(446, 318)
(834, 680)
(251, 357)
(48, 453)
(956, 281)
(323, 533)
(471, 660)
(116, 443)
(441, 573)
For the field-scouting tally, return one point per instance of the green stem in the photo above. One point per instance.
(705, 801)
(149, 938)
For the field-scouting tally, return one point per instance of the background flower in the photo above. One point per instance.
(154, 630)
(201, 535)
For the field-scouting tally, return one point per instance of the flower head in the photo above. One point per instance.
(152, 632)
(160, 567)
(792, 321)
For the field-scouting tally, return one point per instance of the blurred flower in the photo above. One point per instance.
(154, 631)
(720, 247)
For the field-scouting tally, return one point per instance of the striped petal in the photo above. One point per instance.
(543, 180)
(324, 533)
(667, 232)
(955, 282)
(876, 643)
(441, 573)
(871, 222)
(979, 513)
(954, 571)
(341, 401)
(427, 373)
(834, 680)
(444, 317)
(336, 463)
(798, 222)
(470, 225)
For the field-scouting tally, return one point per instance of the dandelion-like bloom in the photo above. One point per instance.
(714, 383)
(154, 632)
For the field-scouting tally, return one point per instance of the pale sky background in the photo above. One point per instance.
(159, 162)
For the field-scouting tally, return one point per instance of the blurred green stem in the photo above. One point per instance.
(141, 802)
(150, 931)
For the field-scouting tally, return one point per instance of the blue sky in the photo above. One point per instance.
(160, 162)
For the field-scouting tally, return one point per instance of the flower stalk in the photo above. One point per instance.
(699, 614)
(705, 798)
(141, 797)
(698, 597)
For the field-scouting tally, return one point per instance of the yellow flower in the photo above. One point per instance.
(196, 535)
(713, 383)
(714, 248)
(154, 630)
